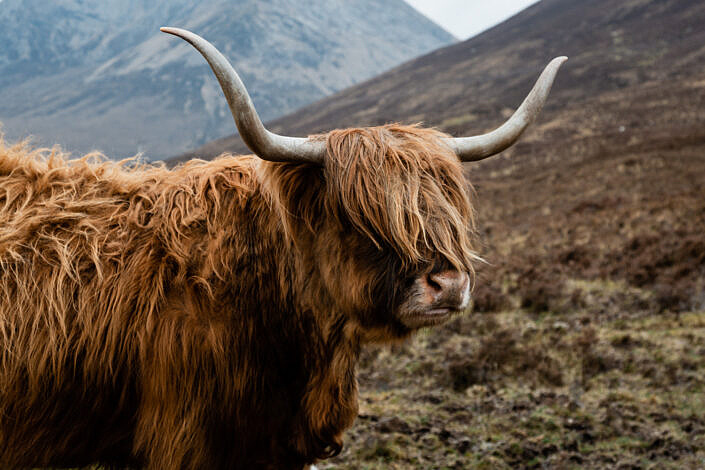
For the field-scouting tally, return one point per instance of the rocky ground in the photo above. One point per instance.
(517, 390)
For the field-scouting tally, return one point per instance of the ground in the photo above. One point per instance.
(517, 390)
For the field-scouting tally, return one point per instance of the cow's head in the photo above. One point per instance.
(393, 225)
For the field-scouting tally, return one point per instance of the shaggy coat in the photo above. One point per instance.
(210, 316)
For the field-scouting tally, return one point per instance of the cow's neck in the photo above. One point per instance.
(324, 346)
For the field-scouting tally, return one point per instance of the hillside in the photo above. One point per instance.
(470, 87)
(98, 74)
(586, 345)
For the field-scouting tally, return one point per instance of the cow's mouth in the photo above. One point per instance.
(430, 317)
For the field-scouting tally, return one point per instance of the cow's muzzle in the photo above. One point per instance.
(434, 297)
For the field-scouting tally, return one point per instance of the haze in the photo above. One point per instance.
(465, 18)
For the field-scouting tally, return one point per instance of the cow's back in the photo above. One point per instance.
(88, 250)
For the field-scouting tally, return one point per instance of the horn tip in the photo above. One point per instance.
(170, 30)
(552, 68)
(184, 34)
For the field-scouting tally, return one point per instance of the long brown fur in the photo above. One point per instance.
(210, 316)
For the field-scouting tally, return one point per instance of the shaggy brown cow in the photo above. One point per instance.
(210, 316)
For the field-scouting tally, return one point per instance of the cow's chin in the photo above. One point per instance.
(423, 318)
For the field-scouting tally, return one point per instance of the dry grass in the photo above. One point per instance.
(511, 390)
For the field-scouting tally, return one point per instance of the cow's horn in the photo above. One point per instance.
(265, 144)
(475, 148)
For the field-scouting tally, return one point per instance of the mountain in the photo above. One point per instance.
(99, 74)
(470, 87)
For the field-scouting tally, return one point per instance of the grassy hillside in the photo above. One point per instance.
(586, 344)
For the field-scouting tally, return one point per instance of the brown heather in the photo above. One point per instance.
(209, 316)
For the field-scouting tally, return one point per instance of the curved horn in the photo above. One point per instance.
(264, 144)
(470, 149)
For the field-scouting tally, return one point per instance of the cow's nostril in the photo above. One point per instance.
(450, 286)
(433, 283)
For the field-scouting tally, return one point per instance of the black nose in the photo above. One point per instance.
(448, 289)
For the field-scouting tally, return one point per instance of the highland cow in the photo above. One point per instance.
(210, 316)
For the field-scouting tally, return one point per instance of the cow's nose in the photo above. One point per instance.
(449, 289)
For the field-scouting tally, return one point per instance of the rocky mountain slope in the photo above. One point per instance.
(99, 74)
(470, 87)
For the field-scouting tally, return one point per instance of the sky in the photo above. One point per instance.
(465, 18)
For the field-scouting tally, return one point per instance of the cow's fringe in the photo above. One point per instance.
(403, 188)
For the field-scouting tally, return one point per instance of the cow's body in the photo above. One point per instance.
(203, 317)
